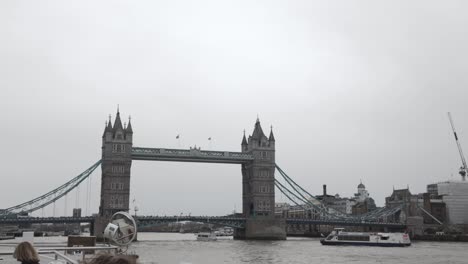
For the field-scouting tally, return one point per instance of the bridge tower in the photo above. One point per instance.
(116, 163)
(258, 188)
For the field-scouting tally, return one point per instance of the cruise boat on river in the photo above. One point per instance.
(206, 236)
(339, 237)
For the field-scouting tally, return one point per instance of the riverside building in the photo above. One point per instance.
(455, 196)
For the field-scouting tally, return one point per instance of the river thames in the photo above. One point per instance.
(185, 249)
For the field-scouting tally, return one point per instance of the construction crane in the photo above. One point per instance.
(463, 168)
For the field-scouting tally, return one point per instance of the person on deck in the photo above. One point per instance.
(26, 253)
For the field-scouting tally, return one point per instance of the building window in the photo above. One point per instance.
(117, 186)
(265, 189)
(116, 201)
(118, 148)
(118, 169)
(263, 174)
(263, 205)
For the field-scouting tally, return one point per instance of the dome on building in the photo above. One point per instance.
(361, 186)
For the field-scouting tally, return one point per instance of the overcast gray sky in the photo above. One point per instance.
(354, 90)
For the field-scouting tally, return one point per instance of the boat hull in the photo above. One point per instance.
(206, 239)
(362, 243)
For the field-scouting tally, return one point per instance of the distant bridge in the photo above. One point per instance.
(232, 221)
(235, 222)
(47, 220)
(344, 223)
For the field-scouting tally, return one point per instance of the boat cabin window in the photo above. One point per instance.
(384, 238)
(353, 238)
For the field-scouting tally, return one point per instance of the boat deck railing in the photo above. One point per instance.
(60, 253)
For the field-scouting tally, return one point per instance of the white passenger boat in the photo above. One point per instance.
(340, 237)
(206, 236)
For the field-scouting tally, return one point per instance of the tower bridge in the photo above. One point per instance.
(258, 167)
(257, 160)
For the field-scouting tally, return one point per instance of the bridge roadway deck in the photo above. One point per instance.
(237, 222)
(191, 155)
(46, 220)
(343, 223)
(240, 221)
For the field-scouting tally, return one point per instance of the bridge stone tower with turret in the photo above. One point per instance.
(116, 163)
(258, 188)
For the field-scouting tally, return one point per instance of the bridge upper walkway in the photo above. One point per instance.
(190, 155)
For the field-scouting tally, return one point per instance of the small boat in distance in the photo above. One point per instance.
(339, 237)
(226, 231)
(206, 236)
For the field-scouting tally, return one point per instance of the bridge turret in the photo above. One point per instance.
(118, 128)
(271, 138)
(129, 130)
(257, 137)
(244, 143)
(107, 135)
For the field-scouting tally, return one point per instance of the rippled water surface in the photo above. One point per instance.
(184, 249)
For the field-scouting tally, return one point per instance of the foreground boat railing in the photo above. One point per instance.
(57, 254)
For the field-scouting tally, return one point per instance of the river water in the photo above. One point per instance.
(185, 249)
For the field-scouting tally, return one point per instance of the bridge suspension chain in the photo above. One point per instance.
(302, 198)
(65, 205)
(309, 199)
(50, 197)
(88, 183)
(302, 202)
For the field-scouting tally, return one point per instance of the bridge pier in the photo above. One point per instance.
(99, 225)
(262, 229)
(92, 229)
